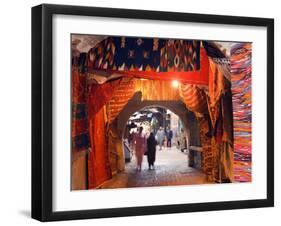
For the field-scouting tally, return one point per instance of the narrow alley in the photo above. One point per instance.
(171, 168)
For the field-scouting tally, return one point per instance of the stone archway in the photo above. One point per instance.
(136, 103)
(177, 107)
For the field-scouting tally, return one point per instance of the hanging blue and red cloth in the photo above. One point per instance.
(152, 58)
(145, 54)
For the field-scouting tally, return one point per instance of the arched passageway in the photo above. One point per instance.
(174, 163)
(136, 103)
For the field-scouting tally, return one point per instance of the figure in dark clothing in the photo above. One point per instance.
(169, 138)
(151, 150)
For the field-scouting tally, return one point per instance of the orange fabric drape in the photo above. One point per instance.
(193, 97)
(121, 95)
(98, 163)
(99, 95)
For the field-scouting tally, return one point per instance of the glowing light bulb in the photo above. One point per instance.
(175, 84)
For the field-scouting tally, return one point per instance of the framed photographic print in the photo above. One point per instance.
(146, 112)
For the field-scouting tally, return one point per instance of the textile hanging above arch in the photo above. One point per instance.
(145, 54)
(151, 58)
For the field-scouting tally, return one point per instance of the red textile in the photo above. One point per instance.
(79, 132)
(78, 86)
(122, 94)
(99, 95)
(98, 163)
(79, 127)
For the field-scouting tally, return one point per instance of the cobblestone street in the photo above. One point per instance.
(170, 169)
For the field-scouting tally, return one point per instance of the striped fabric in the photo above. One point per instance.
(121, 95)
(193, 97)
(241, 78)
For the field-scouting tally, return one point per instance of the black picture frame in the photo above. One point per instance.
(42, 106)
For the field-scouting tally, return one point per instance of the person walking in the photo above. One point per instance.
(151, 150)
(160, 137)
(140, 145)
(169, 138)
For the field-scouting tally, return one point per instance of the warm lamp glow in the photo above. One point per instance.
(175, 84)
